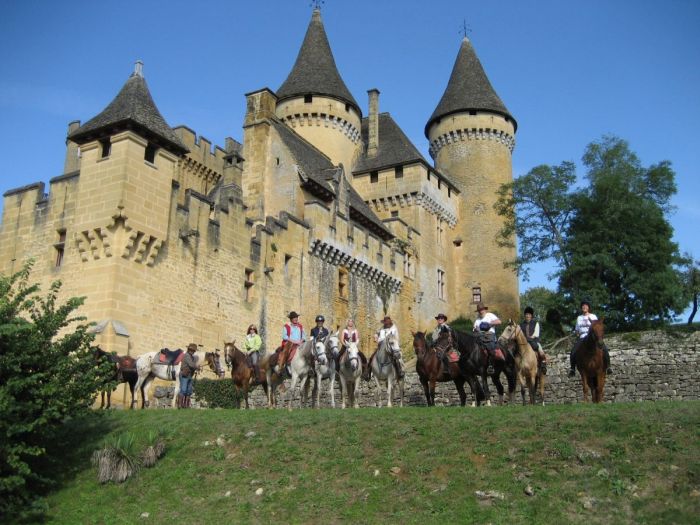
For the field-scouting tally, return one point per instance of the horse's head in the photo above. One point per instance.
(319, 350)
(333, 343)
(420, 345)
(392, 342)
(213, 359)
(597, 333)
(229, 350)
(353, 355)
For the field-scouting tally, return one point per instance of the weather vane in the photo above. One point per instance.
(465, 28)
(316, 4)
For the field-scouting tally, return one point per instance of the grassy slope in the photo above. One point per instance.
(641, 463)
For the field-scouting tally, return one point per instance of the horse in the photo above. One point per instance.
(324, 355)
(473, 363)
(350, 370)
(590, 362)
(242, 373)
(148, 368)
(431, 369)
(124, 372)
(527, 368)
(299, 367)
(383, 369)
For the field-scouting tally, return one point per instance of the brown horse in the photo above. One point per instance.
(527, 368)
(124, 372)
(590, 362)
(431, 369)
(242, 372)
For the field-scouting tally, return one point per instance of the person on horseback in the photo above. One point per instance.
(351, 335)
(319, 332)
(583, 325)
(443, 327)
(388, 328)
(252, 345)
(293, 332)
(188, 367)
(486, 333)
(531, 329)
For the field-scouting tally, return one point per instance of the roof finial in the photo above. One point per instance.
(138, 68)
(316, 4)
(465, 29)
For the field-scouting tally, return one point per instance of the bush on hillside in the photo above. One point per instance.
(217, 393)
(44, 379)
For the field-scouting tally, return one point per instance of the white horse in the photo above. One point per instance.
(383, 369)
(351, 374)
(325, 353)
(148, 367)
(300, 368)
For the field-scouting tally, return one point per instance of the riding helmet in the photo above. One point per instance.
(320, 319)
(585, 301)
(529, 310)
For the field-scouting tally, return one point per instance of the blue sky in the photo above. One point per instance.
(569, 71)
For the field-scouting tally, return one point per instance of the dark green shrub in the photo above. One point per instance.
(217, 393)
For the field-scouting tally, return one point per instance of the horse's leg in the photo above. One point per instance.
(540, 380)
(144, 391)
(584, 384)
(459, 384)
(496, 378)
(401, 382)
(601, 384)
(521, 380)
(343, 393)
(377, 399)
(332, 387)
(432, 390)
(485, 387)
(356, 392)
(139, 389)
(389, 385)
(292, 385)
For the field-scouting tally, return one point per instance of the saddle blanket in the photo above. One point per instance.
(453, 356)
(172, 357)
(498, 354)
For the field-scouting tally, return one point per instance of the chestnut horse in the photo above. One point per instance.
(527, 368)
(431, 369)
(124, 372)
(242, 373)
(590, 362)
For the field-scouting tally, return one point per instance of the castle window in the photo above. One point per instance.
(472, 112)
(149, 155)
(106, 146)
(343, 283)
(60, 247)
(374, 176)
(428, 174)
(347, 107)
(407, 265)
(449, 192)
(439, 232)
(308, 99)
(248, 283)
(440, 284)
(287, 259)
(439, 183)
(278, 161)
(394, 213)
(476, 294)
(398, 172)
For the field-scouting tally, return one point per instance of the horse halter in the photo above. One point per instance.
(218, 369)
(320, 351)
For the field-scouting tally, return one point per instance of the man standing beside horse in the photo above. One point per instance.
(188, 367)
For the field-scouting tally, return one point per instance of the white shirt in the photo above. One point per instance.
(488, 318)
(583, 324)
(384, 332)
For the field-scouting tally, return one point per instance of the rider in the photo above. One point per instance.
(188, 367)
(252, 345)
(583, 326)
(484, 326)
(293, 332)
(531, 329)
(319, 332)
(441, 327)
(386, 330)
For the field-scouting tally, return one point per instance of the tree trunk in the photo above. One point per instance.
(694, 310)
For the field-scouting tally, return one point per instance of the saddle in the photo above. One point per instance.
(170, 357)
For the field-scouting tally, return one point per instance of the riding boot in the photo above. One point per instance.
(490, 370)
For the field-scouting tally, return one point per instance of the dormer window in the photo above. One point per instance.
(149, 154)
(105, 148)
(398, 172)
(308, 99)
(347, 107)
(374, 176)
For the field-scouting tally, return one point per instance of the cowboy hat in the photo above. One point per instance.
(481, 306)
(192, 347)
(292, 314)
(441, 316)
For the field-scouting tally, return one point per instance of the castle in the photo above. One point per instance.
(319, 209)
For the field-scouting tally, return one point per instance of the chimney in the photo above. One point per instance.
(138, 69)
(373, 123)
(72, 150)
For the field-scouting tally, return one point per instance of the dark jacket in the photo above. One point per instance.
(188, 365)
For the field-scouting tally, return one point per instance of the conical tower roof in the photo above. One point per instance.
(469, 89)
(132, 108)
(315, 72)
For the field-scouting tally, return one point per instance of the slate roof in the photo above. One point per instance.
(315, 72)
(468, 89)
(317, 172)
(132, 108)
(394, 149)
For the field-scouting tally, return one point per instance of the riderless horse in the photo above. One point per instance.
(149, 367)
(590, 362)
(242, 373)
(526, 364)
(124, 372)
(325, 352)
(384, 371)
(351, 374)
(431, 368)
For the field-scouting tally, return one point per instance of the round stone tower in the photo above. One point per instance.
(315, 101)
(471, 136)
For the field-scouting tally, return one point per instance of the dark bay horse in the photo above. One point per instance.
(474, 363)
(431, 369)
(124, 372)
(590, 362)
(242, 372)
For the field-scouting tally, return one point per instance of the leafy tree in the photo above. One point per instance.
(620, 252)
(690, 271)
(536, 208)
(44, 378)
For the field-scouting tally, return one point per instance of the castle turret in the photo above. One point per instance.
(471, 136)
(315, 101)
